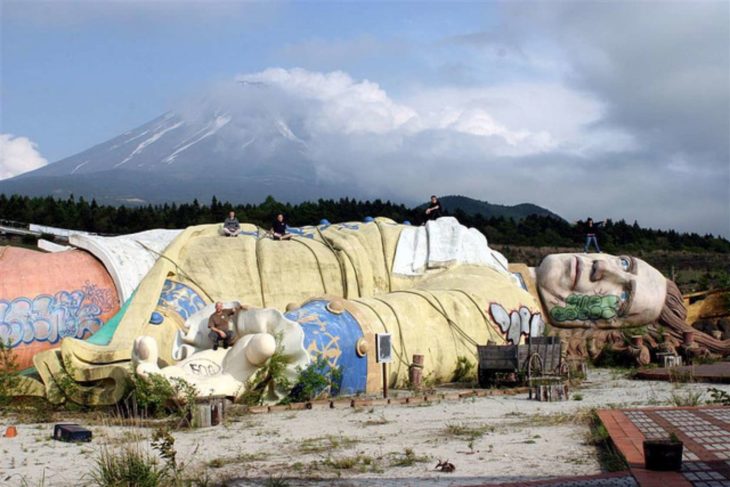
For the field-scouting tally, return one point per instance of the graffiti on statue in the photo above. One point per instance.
(517, 323)
(588, 308)
(47, 318)
(202, 366)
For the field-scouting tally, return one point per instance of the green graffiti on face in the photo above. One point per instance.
(586, 308)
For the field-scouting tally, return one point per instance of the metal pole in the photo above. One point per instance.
(385, 380)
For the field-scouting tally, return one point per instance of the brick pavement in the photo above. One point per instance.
(705, 432)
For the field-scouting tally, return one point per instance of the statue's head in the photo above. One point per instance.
(602, 290)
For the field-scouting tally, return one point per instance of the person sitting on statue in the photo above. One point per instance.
(278, 228)
(219, 324)
(434, 210)
(231, 226)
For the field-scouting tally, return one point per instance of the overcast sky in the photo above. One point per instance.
(609, 109)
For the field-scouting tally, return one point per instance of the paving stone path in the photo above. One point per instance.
(705, 432)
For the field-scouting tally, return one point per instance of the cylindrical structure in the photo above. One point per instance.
(415, 373)
(45, 297)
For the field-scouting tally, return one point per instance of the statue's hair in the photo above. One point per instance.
(674, 314)
(674, 317)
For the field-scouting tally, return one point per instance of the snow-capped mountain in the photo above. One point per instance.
(178, 158)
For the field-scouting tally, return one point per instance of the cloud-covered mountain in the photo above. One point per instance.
(297, 135)
(301, 135)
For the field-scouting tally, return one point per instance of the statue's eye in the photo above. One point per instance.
(625, 263)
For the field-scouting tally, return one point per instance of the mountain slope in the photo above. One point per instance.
(173, 158)
(472, 207)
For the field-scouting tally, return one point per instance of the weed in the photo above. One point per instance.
(718, 396)
(376, 421)
(466, 431)
(240, 459)
(608, 457)
(407, 458)
(164, 443)
(680, 376)
(128, 466)
(275, 482)
(325, 443)
(360, 463)
(577, 397)
(686, 398)
(217, 463)
(9, 379)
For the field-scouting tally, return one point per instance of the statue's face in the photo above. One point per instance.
(602, 290)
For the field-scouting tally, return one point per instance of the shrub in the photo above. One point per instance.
(9, 379)
(127, 466)
(317, 379)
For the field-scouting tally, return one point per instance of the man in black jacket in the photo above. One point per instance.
(591, 235)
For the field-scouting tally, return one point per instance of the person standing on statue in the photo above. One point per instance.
(591, 228)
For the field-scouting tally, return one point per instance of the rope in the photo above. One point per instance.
(385, 327)
(319, 265)
(442, 312)
(343, 275)
(179, 269)
(400, 329)
(258, 268)
(387, 267)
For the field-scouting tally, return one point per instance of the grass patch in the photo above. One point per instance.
(241, 458)
(359, 463)
(597, 436)
(130, 465)
(407, 458)
(325, 443)
(537, 420)
(379, 421)
(685, 398)
(468, 431)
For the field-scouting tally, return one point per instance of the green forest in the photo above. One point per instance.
(536, 231)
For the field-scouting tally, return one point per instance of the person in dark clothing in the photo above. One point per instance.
(435, 209)
(278, 229)
(220, 326)
(231, 227)
(591, 235)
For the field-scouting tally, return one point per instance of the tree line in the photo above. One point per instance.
(537, 231)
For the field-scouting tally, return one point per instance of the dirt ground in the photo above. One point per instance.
(488, 439)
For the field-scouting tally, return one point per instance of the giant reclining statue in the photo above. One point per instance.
(439, 290)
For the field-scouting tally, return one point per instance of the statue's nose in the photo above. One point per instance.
(602, 270)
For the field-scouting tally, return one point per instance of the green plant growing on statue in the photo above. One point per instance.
(270, 377)
(465, 370)
(583, 307)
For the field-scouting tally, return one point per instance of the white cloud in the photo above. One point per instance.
(18, 155)
(512, 119)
